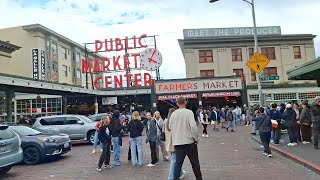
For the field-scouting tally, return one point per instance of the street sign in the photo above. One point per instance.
(257, 62)
(270, 78)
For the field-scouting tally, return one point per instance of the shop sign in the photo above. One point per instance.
(35, 64)
(198, 85)
(222, 94)
(43, 65)
(118, 63)
(109, 101)
(176, 96)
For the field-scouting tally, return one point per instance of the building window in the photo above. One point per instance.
(55, 66)
(64, 70)
(268, 52)
(251, 52)
(238, 72)
(270, 71)
(64, 53)
(206, 73)
(236, 54)
(205, 56)
(253, 76)
(78, 74)
(297, 52)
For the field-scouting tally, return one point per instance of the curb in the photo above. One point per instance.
(297, 159)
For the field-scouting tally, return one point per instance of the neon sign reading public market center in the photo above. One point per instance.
(106, 64)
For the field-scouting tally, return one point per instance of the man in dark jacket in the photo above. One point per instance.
(115, 128)
(290, 122)
(274, 114)
(152, 138)
(264, 126)
(315, 117)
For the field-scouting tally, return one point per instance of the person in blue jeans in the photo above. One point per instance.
(135, 128)
(115, 128)
(96, 140)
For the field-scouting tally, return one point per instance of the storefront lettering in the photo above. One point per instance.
(170, 97)
(221, 94)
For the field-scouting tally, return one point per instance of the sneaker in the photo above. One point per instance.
(305, 142)
(182, 175)
(94, 151)
(98, 169)
(166, 158)
(269, 156)
(290, 144)
(295, 143)
(101, 150)
(276, 144)
(108, 166)
(266, 154)
(246, 125)
(151, 165)
(203, 135)
(111, 151)
(207, 135)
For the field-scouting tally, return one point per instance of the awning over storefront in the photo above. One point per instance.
(307, 71)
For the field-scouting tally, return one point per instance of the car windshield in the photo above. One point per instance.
(86, 119)
(25, 131)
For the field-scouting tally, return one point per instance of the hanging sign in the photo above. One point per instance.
(35, 64)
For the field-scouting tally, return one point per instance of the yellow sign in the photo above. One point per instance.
(258, 62)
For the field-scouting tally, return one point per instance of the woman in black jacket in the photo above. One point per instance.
(290, 122)
(104, 136)
(135, 129)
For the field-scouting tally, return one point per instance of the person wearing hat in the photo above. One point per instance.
(305, 122)
(315, 117)
(264, 126)
(290, 122)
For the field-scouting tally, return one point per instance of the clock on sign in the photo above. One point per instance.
(150, 59)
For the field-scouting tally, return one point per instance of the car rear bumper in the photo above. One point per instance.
(57, 149)
(12, 159)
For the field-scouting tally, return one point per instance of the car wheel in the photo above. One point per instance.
(31, 156)
(91, 137)
(4, 170)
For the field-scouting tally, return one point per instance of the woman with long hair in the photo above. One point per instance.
(104, 137)
(204, 118)
(135, 128)
(170, 147)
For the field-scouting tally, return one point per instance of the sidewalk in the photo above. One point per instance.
(303, 154)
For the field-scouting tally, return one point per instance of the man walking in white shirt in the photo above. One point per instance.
(184, 138)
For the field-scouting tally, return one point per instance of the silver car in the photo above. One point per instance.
(10, 149)
(78, 127)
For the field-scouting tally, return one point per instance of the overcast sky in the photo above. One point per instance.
(88, 20)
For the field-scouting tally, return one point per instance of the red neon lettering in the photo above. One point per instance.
(160, 86)
(106, 45)
(118, 82)
(95, 82)
(139, 41)
(119, 46)
(137, 80)
(105, 64)
(147, 79)
(116, 65)
(178, 86)
(107, 81)
(134, 42)
(86, 66)
(189, 86)
(184, 86)
(127, 43)
(126, 62)
(135, 56)
(128, 76)
(96, 65)
(171, 87)
(165, 88)
(97, 45)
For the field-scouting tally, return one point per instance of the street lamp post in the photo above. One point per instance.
(261, 100)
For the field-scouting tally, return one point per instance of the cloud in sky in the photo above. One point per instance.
(85, 21)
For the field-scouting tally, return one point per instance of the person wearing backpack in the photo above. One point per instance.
(305, 122)
(104, 137)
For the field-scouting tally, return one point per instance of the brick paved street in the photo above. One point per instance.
(223, 156)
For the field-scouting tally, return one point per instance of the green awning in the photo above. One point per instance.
(307, 71)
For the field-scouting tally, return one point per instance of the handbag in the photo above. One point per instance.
(162, 135)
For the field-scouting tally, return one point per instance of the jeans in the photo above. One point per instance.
(136, 144)
(105, 155)
(292, 131)
(172, 166)
(116, 151)
(265, 139)
(190, 150)
(276, 135)
(153, 149)
(254, 127)
(96, 140)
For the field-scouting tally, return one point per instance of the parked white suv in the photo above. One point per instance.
(78, 127)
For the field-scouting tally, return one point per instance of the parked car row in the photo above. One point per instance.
(29, 145)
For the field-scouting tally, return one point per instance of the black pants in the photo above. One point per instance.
(204, 128)
(105, 155)
(153, 148)
(190, 150)
(299, 133)
(265, 139)
(293, 135)
(316, 133)
(306, 132)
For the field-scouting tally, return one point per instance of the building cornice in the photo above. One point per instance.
(8, 47)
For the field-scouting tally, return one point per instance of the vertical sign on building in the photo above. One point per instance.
(35, 63)
(43, 65)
